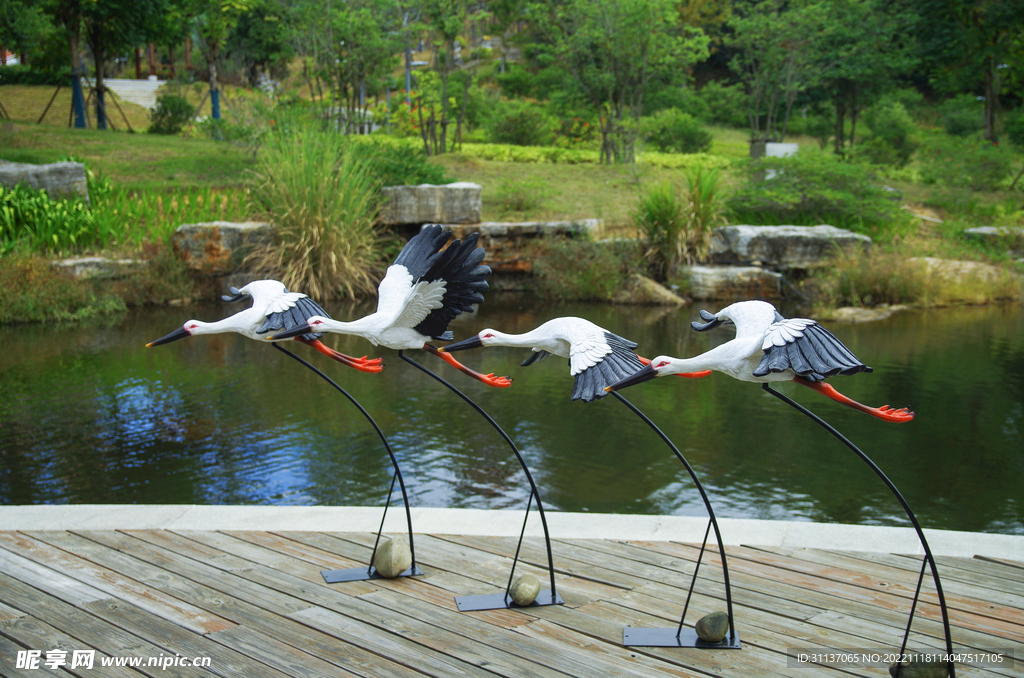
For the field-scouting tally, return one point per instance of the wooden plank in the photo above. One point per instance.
(9, 658)
(48, 579)
(9, 612)
(906, 571)
(179, 545)
(34, 634)
(1003, 561)
(395, 647)
(270, 651)
(532, 653)
(881, 598)
(291, 632)
(177, 640)
(118, 586)
(92, 631)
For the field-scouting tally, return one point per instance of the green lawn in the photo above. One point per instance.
(145, 161)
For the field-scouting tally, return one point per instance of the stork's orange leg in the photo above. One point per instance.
(884, 412)
(685, 375)
(362, 364)
(489, 379)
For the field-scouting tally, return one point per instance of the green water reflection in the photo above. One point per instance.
(88, 415)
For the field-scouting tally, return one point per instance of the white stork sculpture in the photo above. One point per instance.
(421, 293)
(597, 357)
(273, 308)
(767, 348)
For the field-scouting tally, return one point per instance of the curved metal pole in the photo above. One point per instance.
(707, 505)
(522, 462)
(906, 507)
(387, 446)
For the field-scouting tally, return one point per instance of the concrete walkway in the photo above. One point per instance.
(141, 92)
(474, 522)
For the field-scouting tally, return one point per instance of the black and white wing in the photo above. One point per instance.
(459, 267)
(807, 348)
(291, 310)
(598, 358)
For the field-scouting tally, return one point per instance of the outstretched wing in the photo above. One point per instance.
(600, 359)
(423, 298)
(807, 348)
(465, 281)
(291, 310)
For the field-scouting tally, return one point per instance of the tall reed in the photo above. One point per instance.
(323, 199)
(679, 226)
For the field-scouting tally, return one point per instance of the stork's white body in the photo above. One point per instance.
(268, 296)
(579, 340)
(401, 306)
(738, 357)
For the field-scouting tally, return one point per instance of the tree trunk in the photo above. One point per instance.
(853, 114)
(101, 109)
(840, 133)
(991, 103)
(211, 59)
(77, 99)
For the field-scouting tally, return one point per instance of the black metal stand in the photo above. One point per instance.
(369, 572)
(928, 559)
(495, 601)
(678, 636)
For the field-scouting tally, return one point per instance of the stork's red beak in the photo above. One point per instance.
(471, 342)
(179, 333)
(294, 332)
(640, 376)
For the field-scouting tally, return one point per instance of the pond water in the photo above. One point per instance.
(89, 415)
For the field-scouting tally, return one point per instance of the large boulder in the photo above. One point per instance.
(732, 283)
(783, 247)
(218, 247)
(1011, 237)
(457, 203)
(59, 179)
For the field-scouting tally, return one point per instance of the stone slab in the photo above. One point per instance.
(508, 523)
(732, 283)
(783, 247)
(218, 247)
(58, 179)
(98, 268)
(458, 203)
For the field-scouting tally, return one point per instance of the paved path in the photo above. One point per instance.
(141, 92)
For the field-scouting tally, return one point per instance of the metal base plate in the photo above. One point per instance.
(501, 601)
(361, 574)
(633, 637)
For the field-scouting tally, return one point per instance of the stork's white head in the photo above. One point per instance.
(487, 337)
(189, 329)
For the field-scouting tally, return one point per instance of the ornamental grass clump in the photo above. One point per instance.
(679, 226)
(323, 199)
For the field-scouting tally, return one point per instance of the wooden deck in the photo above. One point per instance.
(255, 603)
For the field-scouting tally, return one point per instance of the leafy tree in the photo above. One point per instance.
(22, 24)
(972, 44)
(214, 20)
(261, 38)
(114, 25)
(614, 49)
(872, 48)
(782, 52)
(445, 19)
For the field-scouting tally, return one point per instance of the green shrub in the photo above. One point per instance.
(29, 219)
(678, 225)
(31, 290)
(397, 162)
(727, 104)
(323, 197)
(170, 114)
(582, 270)
(30, 75)
(962, 115)
(673, 131)
(814, 187)
(686, 99)
(521, 124)
(892, 135)
(574, 133)
(821, 127)
(965, 162)
(579, 156)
